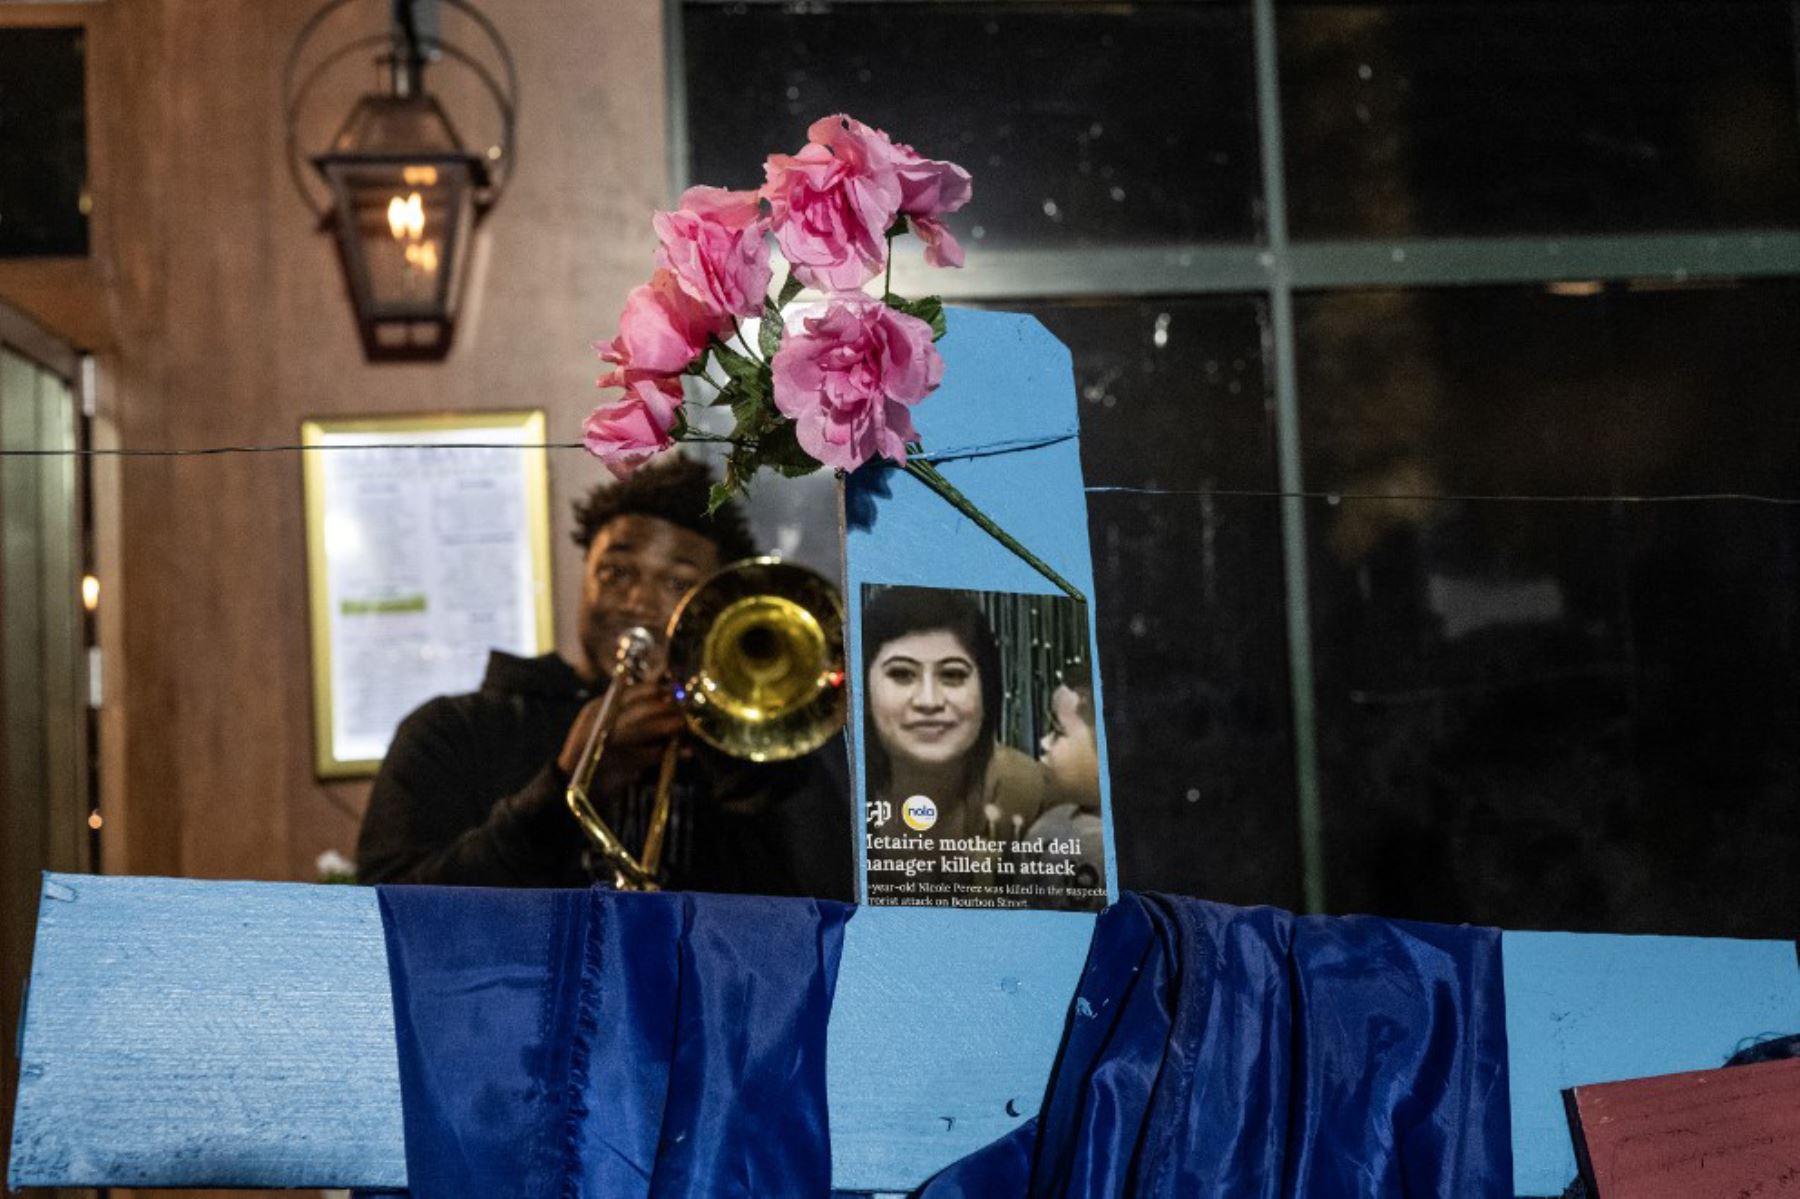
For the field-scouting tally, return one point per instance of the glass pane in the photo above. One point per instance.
(43, 143)
(1560, 714)
(1547, 116)
(1175, 410)
(407, 233)
(1082, 125)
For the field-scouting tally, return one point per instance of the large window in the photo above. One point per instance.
(1437, 367)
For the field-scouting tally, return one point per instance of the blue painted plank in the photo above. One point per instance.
(947, 1023)
(943, 1032)
(1584, 1008)
(1008, 386)
(241, 1034)
(185, 1033)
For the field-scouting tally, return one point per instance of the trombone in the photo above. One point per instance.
(756, 662)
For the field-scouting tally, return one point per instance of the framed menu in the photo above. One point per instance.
(428, 545)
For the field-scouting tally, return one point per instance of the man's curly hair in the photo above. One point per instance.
(675, 489)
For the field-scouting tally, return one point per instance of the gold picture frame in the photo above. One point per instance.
(426, 536)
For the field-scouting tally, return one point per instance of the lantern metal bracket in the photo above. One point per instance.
(502, 158)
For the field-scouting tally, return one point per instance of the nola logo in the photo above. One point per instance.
(919, 812)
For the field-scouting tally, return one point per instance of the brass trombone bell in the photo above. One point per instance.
(757, 656)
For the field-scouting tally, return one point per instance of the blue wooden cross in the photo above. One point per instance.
(185, 1033)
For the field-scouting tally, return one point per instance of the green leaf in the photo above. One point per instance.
(753, 416)
(728, 396)
(739, 466)
(721, 349)
(735, 365)
(769, 336)
(932, 313)
(744, 371)
(742, 466)
(930, 309)
(790, 287)
(781, 452)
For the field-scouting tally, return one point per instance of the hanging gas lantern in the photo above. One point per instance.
(405, 193)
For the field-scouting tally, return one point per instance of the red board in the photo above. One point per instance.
(1707, 1134)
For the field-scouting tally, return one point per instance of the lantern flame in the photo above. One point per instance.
(406, 218)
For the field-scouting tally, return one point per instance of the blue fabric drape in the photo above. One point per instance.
(1244, 1052)
(588, 1044)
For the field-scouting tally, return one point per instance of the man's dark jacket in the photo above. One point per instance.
(470, 795)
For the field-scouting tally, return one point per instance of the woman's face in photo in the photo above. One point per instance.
(925, 698)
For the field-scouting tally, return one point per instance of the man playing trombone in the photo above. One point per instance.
(473, 789)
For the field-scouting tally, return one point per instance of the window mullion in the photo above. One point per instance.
(1289, 472)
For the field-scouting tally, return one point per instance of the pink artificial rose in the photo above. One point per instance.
(848, 377)
(830, 205)
(661, 332)
(833, 203)
(626, 433)
(714, 244)
(930, 187)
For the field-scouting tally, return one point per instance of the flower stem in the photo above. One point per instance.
(887, 280)
(928, 474)
(742, 341)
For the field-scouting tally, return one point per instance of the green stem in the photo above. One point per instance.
(887, 280)
(928, 474)
(739, 331)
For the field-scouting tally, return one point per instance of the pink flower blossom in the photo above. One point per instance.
(930, 187)
(626, 433)
(714, 244)
(832, 203)
(848, 377)
(661, 331)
